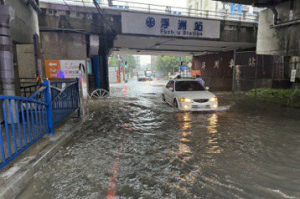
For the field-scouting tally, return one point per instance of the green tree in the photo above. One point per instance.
(113, 61)
(131, 62)
(171, 64)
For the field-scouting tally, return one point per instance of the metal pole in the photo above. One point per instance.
(35, 43)
(233, 71)
(119, 74)
(78, 96)
(49, 110)
(255, 83)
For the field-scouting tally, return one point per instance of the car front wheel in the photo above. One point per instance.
(175, 103)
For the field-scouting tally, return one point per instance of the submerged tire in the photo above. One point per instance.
(175, 103)
(163, 98)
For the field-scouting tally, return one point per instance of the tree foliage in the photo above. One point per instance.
(114, 62)
(171, 64)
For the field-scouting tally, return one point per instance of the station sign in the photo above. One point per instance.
(65, 69)
(175, 26)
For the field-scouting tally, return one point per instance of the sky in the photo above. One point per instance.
(145, 59)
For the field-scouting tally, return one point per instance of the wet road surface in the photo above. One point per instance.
(135, 146)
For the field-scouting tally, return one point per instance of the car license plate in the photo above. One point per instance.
(200, 107)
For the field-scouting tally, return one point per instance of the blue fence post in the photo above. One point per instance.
(78, 96)
(49, 107)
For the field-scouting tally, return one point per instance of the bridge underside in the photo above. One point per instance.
(152, 45)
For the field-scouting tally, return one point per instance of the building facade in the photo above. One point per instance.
(216, 6)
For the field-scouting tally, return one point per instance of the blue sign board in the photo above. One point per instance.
(184, 67)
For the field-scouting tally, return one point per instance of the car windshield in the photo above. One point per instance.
(188, 86)
(148, 72)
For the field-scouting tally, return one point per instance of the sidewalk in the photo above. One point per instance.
(19, 172)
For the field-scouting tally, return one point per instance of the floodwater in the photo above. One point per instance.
(136, 146)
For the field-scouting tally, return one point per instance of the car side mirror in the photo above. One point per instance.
(207, 88)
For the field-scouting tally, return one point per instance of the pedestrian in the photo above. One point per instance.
(200, 80)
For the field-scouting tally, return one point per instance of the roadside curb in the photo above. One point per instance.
(12, 186)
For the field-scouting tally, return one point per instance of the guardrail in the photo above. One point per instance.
(28, 119)
(27, 91)
(222, 14)
(24, 123)
(65, 103)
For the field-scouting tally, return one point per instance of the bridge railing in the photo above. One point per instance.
(25, 120)
(222, 14)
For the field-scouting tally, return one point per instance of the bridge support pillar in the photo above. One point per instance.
(103, 52)
(6, 57)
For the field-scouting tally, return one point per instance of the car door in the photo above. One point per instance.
(166, 91)
(169, 92)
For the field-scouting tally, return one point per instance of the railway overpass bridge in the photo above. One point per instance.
(150, 29)
(278, 26)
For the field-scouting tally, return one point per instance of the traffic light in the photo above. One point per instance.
(126, 64)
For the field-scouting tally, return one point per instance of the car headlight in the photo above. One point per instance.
(213, 99)
(185, 100)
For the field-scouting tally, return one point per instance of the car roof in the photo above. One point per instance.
(184, 79)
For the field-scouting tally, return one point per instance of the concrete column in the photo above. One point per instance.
(6, 54)
(6, 57)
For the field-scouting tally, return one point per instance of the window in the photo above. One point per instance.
(188, 86)
(197, 6)
(170, 84)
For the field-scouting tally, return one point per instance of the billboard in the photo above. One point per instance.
(65, 69)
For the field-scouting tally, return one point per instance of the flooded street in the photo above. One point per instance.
(136, 146)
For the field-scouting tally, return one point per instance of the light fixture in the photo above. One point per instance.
(213, 99)
(185, 100)
(215, 106)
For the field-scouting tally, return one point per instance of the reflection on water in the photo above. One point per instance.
(244, 152)
(212, 129)
(185, 125)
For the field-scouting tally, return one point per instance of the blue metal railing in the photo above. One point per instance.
(27, 91)
(28, 119)
(24, 123)
(65, 103)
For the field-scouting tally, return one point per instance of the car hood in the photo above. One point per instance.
(194, 94)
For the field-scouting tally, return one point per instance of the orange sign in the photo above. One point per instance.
(52, 68)
(196, 72)
(65, 69)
